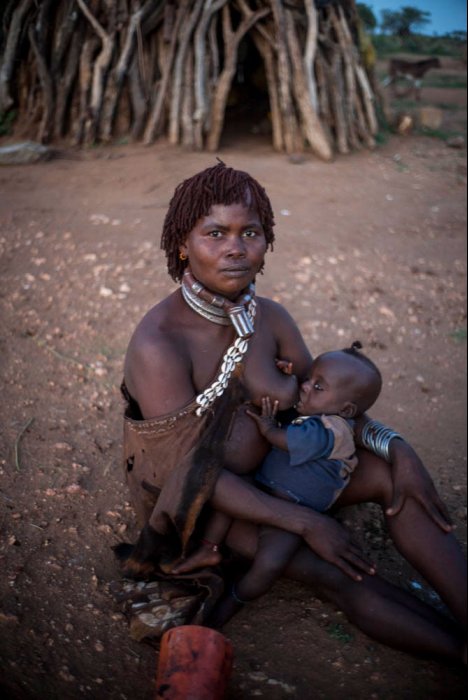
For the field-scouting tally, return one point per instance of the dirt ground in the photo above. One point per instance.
(370, 247)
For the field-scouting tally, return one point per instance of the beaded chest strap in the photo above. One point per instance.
(218, 309)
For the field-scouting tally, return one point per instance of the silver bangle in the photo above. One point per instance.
(377, 438)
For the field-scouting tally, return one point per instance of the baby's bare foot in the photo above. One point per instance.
(207, 555)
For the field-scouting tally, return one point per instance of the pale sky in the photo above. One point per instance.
(446, 15)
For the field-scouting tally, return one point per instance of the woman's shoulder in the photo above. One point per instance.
(275, 312)
(159, 320)
(157, 333)
(157, 364)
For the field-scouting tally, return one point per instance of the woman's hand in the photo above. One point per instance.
(411, 480)
(334, 543)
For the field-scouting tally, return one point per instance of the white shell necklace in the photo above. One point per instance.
(241, 315)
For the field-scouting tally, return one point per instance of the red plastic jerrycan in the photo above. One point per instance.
(195, 663)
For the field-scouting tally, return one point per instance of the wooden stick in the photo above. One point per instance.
(137, 98)
(68, 79)
(45, 128)
(9, 55)
(174, 117)
(201, 97)
(101, 66)
(17, 442)
(85, 77)
(310, 51)
(116, 79)
(161, 89)
(187, 102)
(231, 42)
(312, 127)
(265, 49)
(292, 138)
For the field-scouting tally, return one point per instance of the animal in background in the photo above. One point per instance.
(413, 71)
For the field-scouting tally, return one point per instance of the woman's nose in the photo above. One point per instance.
(236, 247)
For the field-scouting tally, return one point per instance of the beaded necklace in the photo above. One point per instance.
(218, 309)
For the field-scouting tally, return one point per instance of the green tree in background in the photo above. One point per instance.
(366, 16)
(404, 21)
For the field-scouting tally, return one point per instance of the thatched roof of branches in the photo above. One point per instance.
(97, 70)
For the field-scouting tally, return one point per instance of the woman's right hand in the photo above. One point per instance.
(334, 543)
(324, 535)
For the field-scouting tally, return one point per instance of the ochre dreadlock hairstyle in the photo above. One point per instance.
(193, 199)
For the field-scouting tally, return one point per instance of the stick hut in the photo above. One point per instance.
(98, 70)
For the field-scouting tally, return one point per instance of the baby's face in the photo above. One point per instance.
(330, 386)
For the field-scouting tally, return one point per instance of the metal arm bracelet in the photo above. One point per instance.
(377, 438)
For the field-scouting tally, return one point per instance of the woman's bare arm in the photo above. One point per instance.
(157, 375)
(290, 343)
(240, 500)
(410, 480)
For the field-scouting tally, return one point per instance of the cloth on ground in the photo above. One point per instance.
(152, 607)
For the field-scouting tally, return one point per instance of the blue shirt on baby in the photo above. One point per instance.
(317, 465)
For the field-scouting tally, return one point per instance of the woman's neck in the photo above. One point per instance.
(219, 309)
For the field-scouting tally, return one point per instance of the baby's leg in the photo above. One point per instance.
(274, 552)
(208, 553)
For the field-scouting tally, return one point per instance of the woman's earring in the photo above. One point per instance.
(182, 256)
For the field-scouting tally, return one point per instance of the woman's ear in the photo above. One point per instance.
(349, 410)
(183, 251)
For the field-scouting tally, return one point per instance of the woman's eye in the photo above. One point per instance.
(318, 387)
(215, 234)
(250, 234)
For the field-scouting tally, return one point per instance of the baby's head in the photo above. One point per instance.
(341, 382)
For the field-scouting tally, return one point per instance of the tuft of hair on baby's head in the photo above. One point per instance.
(371, 384)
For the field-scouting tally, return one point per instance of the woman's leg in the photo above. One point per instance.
(435, 554)
(382, 611)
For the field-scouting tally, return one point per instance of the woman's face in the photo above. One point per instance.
(226, 249)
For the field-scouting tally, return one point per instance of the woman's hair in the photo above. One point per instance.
(193, 200)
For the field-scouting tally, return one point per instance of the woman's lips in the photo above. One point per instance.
(235, 271)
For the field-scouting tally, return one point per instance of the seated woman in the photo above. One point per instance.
(186, 352)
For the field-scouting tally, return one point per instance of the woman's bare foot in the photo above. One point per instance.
(207, 555)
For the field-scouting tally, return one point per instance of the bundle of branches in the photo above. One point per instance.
(94, 70)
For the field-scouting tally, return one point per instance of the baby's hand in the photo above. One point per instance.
(266, 422)
(284, 366)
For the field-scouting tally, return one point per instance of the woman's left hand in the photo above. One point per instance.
(412, 480)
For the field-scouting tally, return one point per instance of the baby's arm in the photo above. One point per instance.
(267, 424)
